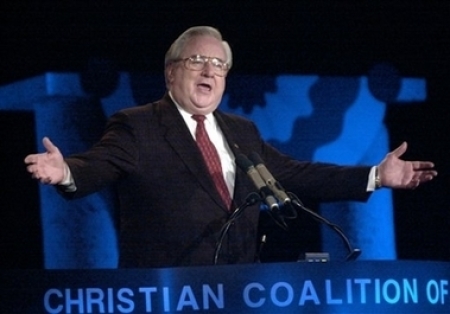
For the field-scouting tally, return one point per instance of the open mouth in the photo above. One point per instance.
(205, 87)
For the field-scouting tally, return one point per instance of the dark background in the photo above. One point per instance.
(342, 38)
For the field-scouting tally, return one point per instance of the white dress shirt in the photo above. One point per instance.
(218, 139)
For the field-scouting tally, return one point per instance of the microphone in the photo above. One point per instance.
(269, 180)
(247, 166)
(275, 187)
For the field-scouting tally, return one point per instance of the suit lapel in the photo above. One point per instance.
(178, 136)
(240, 176)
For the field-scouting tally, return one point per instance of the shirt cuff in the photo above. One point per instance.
(68, 184)
(371, 183)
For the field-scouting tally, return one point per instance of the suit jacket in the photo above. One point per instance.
(170, 212)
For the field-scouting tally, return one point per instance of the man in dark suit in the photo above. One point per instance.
(171, 208)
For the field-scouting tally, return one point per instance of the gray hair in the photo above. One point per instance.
(177, 47)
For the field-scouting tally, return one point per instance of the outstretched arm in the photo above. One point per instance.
(400, 174)
(48, 167)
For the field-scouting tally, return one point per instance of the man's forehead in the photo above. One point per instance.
(205, 45)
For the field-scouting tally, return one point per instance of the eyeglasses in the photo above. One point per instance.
(198, 63)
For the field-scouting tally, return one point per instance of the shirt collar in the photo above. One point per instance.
(187, 116)
(210, 122)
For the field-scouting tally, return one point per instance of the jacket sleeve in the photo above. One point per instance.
(110, 159)
(315, 181)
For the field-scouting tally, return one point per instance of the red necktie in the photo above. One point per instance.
(211, 158)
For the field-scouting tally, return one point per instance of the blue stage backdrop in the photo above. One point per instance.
(333, 119)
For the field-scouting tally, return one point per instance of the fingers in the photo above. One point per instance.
(424, 177)
(427, 176)
(43, 178)
(49, 145)
(30, 159)
(46, 181)
(421, 177)
(36, 174)
(421, 165)
(399, 151)
(42, 166)
(33, 159)
(413, 184)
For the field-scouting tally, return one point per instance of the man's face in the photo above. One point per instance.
(198, 92)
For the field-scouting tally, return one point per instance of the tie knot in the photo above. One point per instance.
(198, 118)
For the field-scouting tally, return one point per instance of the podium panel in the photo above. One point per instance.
(331, 287)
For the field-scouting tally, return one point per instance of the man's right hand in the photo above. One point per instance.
(47, 167)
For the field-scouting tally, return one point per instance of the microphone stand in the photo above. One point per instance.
(278, 217)
(353, 253)
(251, 199)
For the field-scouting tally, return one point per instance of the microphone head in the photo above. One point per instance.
(243, 162)
(255, 158)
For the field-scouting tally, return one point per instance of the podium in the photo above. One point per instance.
(304, 287)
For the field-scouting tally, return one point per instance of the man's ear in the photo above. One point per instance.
(169, 73)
